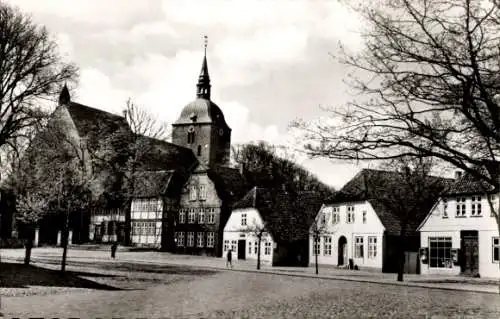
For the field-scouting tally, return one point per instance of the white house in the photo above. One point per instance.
(357, 225)
(240, 233)
(348, 231)
(460, 233)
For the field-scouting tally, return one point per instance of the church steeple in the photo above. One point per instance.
(64, 97)
(203, 86)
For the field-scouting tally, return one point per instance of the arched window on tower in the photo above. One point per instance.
(199, 150)
(190, 137)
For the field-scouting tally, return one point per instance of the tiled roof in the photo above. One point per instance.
(229, 183)
(468, 184)
(88, 119)
(287, 216)
(162, 155)
(152, 183)
(375, 185)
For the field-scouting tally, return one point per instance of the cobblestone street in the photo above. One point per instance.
(153, 291)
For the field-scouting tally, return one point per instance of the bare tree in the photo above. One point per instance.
(428, 85)
(319, 227)
(257, 231)
(31, 70)
(409, 195)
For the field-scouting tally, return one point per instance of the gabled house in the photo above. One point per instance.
(283, 219)
(459, 236)
(358, 226)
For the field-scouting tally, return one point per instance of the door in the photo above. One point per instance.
(470, 247)
(241, 249)
(342, 251)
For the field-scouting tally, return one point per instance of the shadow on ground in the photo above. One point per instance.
(15, 275)
(117, 265)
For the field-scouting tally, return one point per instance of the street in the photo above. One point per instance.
(176, 291)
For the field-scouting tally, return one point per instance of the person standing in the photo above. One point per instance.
(113, 249)
(229, 262)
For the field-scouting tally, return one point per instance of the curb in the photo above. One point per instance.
(299, 275)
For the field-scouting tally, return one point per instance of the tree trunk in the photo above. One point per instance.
(258, 252)
(65, 236)
(401, 253)
(29, 246)
(315, 254)
(128, 221)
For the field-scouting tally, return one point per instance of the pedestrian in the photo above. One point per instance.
(113, 249)
(229, 262)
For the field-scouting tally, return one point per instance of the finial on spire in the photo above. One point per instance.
(205, 43)
(203, 86)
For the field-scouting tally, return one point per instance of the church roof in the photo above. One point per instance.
(202, 111)
(91, 120)
(152, 183)
(229, 182)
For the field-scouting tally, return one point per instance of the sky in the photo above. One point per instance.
(270, 62)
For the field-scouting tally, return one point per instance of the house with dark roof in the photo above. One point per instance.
(280, 218)
(360, 227)
(459, 236)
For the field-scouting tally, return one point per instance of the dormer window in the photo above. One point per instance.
(460, 206)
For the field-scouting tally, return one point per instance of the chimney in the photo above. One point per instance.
(124, 114)
(458, 174)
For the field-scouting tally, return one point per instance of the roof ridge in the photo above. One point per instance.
(71, 103)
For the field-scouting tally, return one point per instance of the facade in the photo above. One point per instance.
(240, 236)
(283, 220)
(358, 227)
(460, 234)
(348, 230)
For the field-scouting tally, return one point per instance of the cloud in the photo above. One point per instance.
(89, 11)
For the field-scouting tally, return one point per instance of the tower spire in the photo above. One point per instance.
(203, 86)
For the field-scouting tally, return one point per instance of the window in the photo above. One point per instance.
(440, 252)
(350, 214)
(200, 239)
(233, 245)
(327, 245)
(494, 200)
(191, 216)
(226, 245)
(496, 249)
(255, 247)
(372, 247)
(323, 218)
(267, 248)
(243, 219)
(202, 192)
(460, 206)
(190, 137)
(335, 215)
(364, 217)
(250, 248)
(182, 216)
(359, 247)
(316, 246)
(211, 216)
(445, 208)
(192, 193)
(201, 216)
(199, 150)
(210, 239)
(476, 206)
(180, 239)
(190, 239)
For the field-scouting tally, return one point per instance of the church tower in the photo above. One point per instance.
(201, 125)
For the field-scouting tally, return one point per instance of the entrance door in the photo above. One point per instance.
(342, 251)
(241, 249)
(470, 249)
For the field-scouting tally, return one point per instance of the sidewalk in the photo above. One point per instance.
(411, 280)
